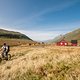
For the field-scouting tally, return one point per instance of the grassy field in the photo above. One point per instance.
(15, 42)
(42, 63)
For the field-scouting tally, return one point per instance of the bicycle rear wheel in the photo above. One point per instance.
(9, 56)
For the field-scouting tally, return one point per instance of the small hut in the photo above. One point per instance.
(62, 43)
(74, 42)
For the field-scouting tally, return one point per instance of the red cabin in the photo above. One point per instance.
(62, 43)
(73, 42)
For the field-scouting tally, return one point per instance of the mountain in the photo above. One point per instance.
(73, 35)
(13, 38)
(54, 40)
(12, 35)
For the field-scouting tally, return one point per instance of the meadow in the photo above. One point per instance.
(42, 63)
(15, 42)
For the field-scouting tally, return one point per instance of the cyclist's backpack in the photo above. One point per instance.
(8, 48)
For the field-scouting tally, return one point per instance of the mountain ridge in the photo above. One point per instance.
(12, 34)
(73, 35)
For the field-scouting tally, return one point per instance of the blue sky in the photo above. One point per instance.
(40, 19)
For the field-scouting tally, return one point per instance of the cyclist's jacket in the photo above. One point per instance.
(5, 48)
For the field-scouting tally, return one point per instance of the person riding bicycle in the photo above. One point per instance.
(5, 50)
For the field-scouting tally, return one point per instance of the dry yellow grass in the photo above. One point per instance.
(42, 63)
(16, 42)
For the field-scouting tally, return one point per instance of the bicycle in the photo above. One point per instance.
(8, 57)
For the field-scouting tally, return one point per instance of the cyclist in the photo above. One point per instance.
(5, 50)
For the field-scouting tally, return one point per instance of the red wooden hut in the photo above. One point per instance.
(62, 43)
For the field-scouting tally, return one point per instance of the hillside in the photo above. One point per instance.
(54, 40)
(12, 35)
(13, 38)
(73, 35)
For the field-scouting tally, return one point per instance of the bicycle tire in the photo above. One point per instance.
(9, 56)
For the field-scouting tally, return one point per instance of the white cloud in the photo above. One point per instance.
(35, 16)
(48, 33)
(54, 8)
(37, 35)
(42, 35)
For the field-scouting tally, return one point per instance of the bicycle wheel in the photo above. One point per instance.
(9, 56)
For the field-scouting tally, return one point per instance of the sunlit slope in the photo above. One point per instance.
(16, 42)
(73, 35)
